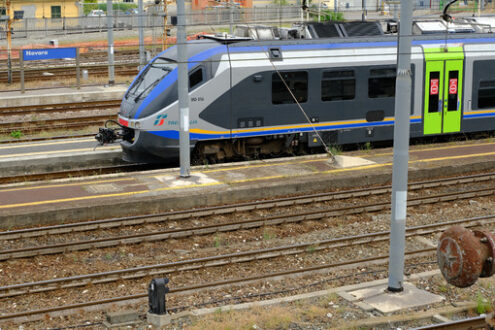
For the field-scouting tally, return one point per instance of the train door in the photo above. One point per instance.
(443, 90)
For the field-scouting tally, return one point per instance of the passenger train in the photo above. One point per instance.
(240, 104)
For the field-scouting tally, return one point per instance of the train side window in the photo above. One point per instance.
(381, 83)
(296, 81)
(486, 94)
(195, 78)
(338, 85)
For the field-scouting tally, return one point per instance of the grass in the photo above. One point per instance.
(366, 147)
(311, 248)
(335, 150)
(268, 235)
(16, 134)
(259, 318)
(482, 305)
(217, 242)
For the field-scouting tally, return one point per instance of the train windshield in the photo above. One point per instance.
(150, 77)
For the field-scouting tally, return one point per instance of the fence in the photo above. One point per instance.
(45, 27)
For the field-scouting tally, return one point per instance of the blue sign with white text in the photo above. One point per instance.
(48, 54)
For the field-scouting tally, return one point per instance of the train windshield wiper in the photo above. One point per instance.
(147, 89)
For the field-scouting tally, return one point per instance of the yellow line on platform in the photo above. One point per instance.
(453, 157)
(13, 146)
(439, 148)
(72, 199)
(358, 168)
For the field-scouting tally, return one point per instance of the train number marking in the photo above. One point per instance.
(197, 99)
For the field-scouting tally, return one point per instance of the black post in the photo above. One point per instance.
(156, 296)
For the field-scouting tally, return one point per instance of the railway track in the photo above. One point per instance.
(230, 209)
(209, 228)
(182, 290)
(46, 138)
(60, 107)
(192, 266)
(36, 126)
(240, 257)
(472, 323)
(50, 73)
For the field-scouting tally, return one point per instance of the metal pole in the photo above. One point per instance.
(78, 70)
(111, 68)
(184, 144)
(231, 25)
(142, 59)
(21, 64)
(165, 26)
(401, 149)
(9, 44)
(363, 15)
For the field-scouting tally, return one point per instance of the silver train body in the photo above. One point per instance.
(239, 103)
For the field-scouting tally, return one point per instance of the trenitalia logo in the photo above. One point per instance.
(160, 119)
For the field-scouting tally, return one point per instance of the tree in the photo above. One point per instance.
(89, 5)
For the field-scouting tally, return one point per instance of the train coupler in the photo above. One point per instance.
(108, 135)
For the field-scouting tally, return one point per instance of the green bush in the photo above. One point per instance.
(16, 134)
(89, 5)
(117, 6)
(329, 16)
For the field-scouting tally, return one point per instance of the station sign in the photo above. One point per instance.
(48, 54)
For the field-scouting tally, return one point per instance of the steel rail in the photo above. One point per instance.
(30, 127)
(60, 107)
(38, 139)
(211, 285)
(27, 123)
(232, 208)
(478, 322)
(228, 259)
(58, 72)
(313, 215)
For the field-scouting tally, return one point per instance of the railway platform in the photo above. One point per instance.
(61, 95)
(116, 195)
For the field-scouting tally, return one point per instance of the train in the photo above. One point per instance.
(253, 98)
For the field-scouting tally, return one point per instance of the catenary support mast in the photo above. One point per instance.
(401, 149)
(184, 143)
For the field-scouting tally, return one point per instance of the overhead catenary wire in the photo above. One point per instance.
(327, 150)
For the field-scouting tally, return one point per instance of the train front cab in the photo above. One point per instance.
(443, 90)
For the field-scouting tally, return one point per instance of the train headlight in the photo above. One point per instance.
(138, 124)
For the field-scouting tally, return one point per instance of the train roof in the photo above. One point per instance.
(210, 48)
